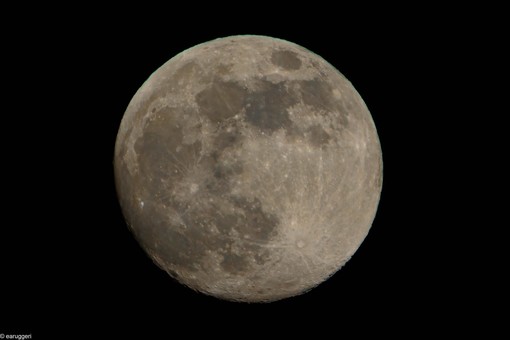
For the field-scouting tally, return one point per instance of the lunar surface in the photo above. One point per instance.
(248, 168)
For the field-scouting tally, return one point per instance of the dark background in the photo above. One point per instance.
(68, 261)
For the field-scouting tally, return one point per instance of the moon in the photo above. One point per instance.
(248, 168)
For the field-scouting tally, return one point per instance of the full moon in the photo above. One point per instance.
(248, 168)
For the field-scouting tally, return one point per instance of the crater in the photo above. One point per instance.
(286, 59)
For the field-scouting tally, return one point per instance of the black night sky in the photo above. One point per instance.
(68, 263)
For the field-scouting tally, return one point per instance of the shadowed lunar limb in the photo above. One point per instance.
(248, 168)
